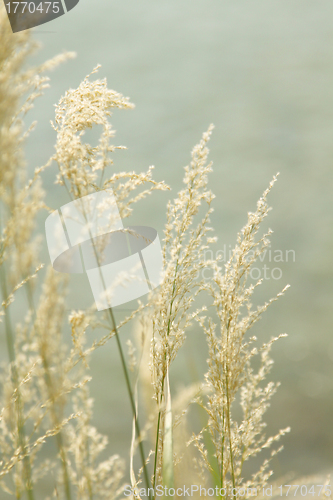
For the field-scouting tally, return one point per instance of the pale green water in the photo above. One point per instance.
(262, 72)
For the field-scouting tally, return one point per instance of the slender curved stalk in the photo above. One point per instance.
(121, 353)
(156, 446)
(130, 393)
(160, 413)
(229, 435)
(222, 450)
(128, 385)
(124, 367)
(168, 333)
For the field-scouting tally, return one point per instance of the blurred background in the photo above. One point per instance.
(262, 72)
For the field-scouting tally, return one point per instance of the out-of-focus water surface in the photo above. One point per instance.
(262, 72)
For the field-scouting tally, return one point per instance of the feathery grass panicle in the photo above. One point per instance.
(230, 372)
(78, 110)
(185, 242)
(183, 258)
(83, 169)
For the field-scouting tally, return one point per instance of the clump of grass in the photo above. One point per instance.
(45, 384)
(231, 350)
